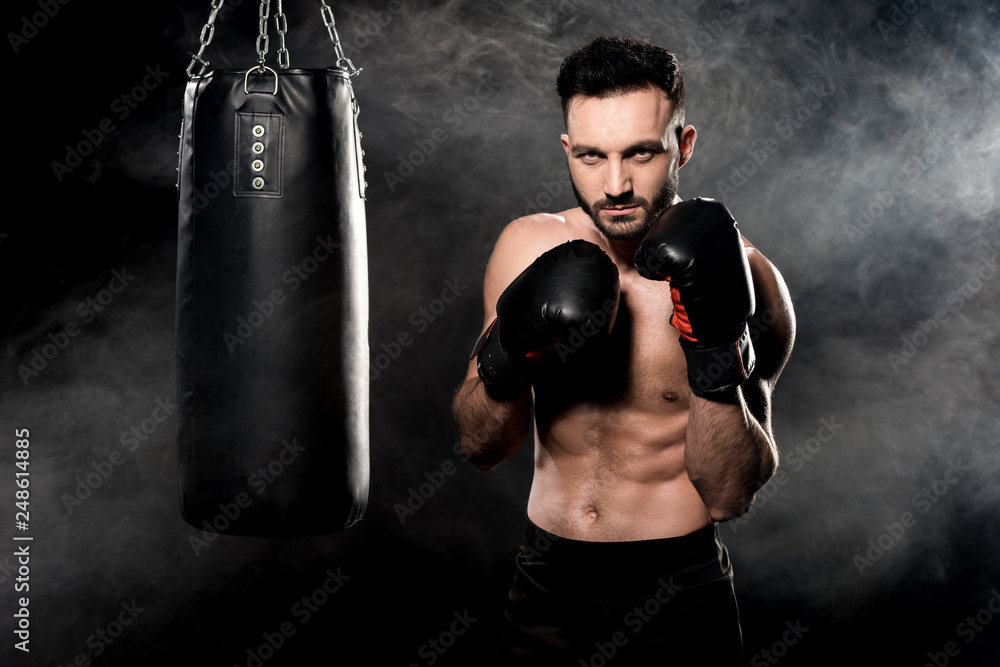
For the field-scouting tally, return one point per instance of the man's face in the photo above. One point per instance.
(624, 155)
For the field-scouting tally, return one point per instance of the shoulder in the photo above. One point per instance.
(523, 240)
(541, 231)
(772, 326)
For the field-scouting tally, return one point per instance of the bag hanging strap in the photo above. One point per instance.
(263, 41)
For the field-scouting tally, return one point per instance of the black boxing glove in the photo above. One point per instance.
(695, 245)
(568, 296)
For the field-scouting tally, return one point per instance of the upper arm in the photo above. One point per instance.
(519, 244)
(772, 330)
(772, 326)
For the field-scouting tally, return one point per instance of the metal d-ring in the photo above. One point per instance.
(246, 79)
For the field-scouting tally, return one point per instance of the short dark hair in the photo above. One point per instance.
(613, 65)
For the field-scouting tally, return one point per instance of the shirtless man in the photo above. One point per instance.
(651, 396)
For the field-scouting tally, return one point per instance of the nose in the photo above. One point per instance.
(617, 179)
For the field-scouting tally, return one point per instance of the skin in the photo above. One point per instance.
(623, 450)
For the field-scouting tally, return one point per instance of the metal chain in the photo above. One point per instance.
(331, 28)
(262, 40)
(281, 23)
(207, 33)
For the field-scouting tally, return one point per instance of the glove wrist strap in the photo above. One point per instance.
(503, 378)
(717, 372)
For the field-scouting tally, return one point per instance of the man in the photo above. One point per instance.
(648, 335)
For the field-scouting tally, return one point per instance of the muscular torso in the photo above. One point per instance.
(610, 424)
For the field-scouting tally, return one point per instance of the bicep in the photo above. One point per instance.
(772, 326)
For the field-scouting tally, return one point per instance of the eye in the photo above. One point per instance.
(590, 157)
(643, 155)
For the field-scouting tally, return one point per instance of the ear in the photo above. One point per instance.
(565, 143)
(685, 141)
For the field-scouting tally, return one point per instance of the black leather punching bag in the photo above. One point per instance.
(272, 301)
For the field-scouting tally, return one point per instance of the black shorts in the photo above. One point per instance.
(651, 602)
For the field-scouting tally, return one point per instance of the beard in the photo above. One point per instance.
(635, 225)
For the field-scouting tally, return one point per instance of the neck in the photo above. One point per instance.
(623, 252)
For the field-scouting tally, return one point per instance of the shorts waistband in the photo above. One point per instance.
(640, 558)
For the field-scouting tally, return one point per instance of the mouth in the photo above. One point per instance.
(618, 211)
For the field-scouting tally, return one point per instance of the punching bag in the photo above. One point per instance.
(272, 297)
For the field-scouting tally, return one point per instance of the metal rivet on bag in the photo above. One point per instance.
(257, 147)
(258, 183)
(258, 130)
(257, 165)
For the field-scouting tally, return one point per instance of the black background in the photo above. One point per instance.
(888, 108)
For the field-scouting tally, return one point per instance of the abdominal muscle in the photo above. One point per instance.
(625, 482)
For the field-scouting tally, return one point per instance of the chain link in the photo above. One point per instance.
(331, 28)
(262, 40)
(281, 23)
(207, 33)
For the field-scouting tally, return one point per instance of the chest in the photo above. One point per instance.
(656, 367)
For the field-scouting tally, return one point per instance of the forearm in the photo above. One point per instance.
(729, 455)
(489, 430)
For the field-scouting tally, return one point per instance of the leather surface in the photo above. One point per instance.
(696, 245)
(272, 306)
